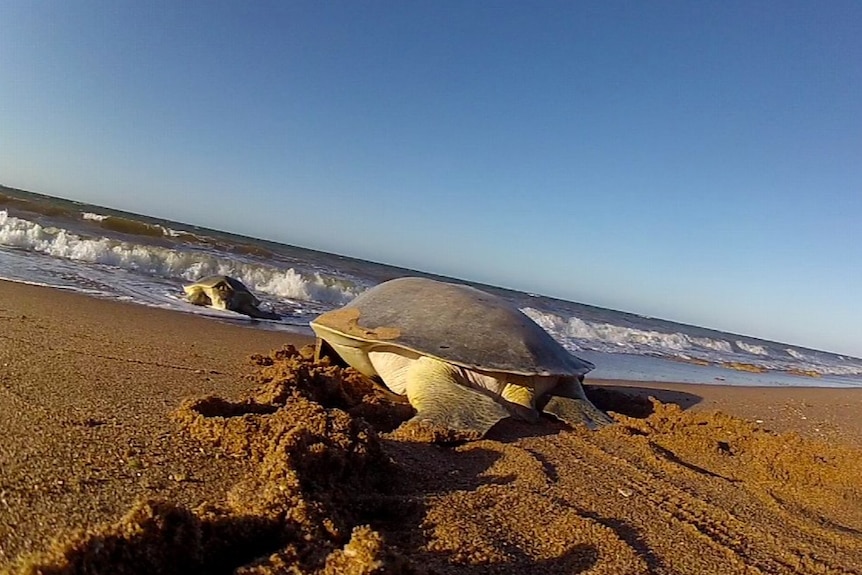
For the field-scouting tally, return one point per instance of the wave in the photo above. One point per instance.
(799, 355)
(34, 206)
(134, 227)
(751, 348)
(287, 280)
(715, 344)
(601, 335)
(576, 334)
(130, 226)
(189, 265)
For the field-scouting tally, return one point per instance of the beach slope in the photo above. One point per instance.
(138, 440)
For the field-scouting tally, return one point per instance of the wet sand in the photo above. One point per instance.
(137, 440)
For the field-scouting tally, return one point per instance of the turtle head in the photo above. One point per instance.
(197, 297)
(222, 296)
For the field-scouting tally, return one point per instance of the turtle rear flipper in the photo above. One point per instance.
(245, 303)
(567, 402)
(577, 411)
(433, 390)
(256, 312)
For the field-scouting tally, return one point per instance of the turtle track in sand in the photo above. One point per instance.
(334, 485)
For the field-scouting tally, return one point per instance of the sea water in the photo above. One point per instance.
(117, 255)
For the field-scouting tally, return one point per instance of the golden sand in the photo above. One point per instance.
(280, 465)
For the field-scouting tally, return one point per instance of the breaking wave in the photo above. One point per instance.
(799, 355)
(146, 262)
(576, 334)
(609, 337)
(752, 349)
(36, 207)
(186, 264)
(130, 226)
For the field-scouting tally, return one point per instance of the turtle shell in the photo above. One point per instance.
(456, 323)
(224, 283)
(213, 281)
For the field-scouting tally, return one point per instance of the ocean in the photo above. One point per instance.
(117, 255)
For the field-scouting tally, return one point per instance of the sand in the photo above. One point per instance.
(137, 440)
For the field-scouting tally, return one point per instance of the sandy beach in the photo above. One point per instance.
(139, 440)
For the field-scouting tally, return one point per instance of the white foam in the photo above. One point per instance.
(617, 336)
(716, 344)
(92, 216)
(160, 261)
(606, 336)
(796, 354)
(152, 273)
(751, 348)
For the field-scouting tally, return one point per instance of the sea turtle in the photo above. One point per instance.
(464, 358)
(225, 292)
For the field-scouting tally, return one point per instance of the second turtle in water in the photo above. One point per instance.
(464, 358)
(225, 292)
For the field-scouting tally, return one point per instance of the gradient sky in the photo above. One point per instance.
(695, 161)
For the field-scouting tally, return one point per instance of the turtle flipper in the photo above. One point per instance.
(520, 401)
(433, 390)
(246, 303)
(575, 411)
(568, 403)
(256, 312)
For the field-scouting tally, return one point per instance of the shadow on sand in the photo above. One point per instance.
(634, 401)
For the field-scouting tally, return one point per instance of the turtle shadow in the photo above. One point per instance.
(633, 401)
(511, 429)
(629, 401)
(431, 469)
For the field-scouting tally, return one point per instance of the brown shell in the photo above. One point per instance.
(212, 282)
(456, 323)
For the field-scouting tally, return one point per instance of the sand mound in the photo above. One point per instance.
(336, 486)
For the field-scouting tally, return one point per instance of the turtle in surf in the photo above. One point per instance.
(225, 292)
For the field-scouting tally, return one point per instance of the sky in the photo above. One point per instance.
(694, 161)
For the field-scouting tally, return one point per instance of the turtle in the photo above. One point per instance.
(464, 358)
(225, 292)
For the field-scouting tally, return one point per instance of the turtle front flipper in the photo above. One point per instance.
(567, 402)
(434, 392)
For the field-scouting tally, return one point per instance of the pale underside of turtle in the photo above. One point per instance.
(225, 292)
(464, 358)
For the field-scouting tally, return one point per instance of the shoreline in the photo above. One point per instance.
(88, 388)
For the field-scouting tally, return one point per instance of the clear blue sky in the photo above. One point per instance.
(695, 161)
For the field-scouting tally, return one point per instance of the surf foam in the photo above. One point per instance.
(187, 264)
(576, 334)
(751, 348)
